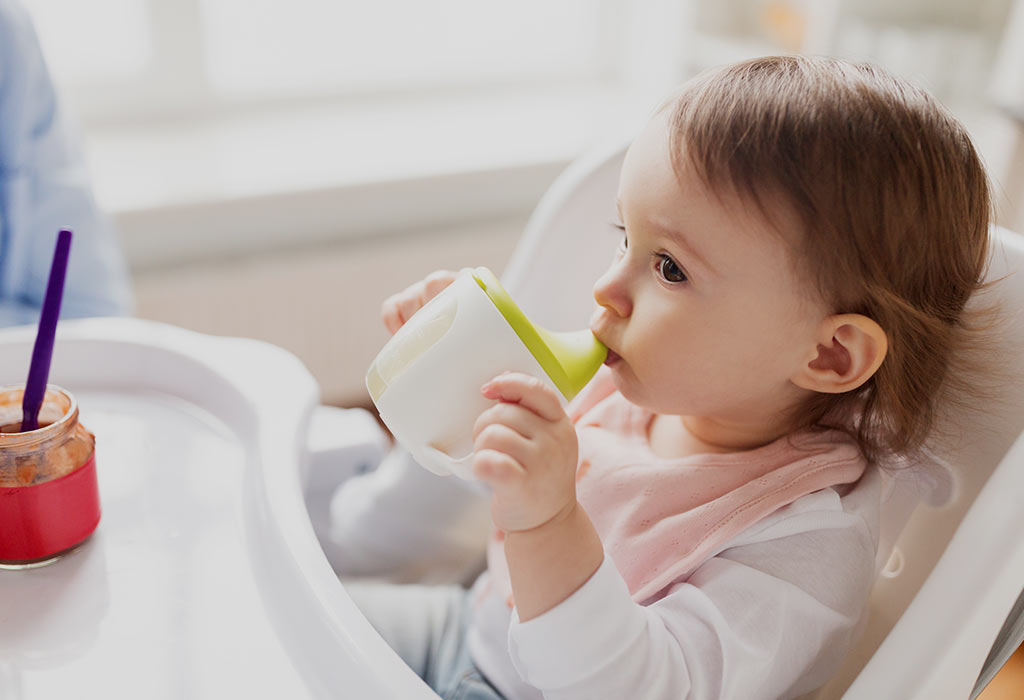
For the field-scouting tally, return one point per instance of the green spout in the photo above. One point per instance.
(570, 359)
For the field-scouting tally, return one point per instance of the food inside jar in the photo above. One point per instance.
(50, 462)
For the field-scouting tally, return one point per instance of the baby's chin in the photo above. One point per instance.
(648, 398)
(627, 384)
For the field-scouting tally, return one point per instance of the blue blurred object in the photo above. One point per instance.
(44, 187)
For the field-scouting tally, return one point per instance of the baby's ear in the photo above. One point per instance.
(849, 351)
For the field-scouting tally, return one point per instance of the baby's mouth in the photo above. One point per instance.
(598, 329)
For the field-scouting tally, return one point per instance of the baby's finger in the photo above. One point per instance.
(495, 467)
(504, 439)
(527, 391)
(513, 416)
(409, 303)
(399, 308)
(437, 282)
(389, 314)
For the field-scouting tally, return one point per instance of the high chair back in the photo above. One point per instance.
(950, 566)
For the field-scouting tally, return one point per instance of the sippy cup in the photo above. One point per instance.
(426, 380)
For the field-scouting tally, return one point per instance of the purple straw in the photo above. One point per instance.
(39, 369)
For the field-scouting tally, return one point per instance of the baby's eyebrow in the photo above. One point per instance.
(676, 235)
(684, 243)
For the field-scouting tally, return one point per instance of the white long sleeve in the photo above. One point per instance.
(770, 616)
(402, 523)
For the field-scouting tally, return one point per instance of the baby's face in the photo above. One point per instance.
(700, 308)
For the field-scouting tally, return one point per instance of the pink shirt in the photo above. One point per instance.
(659, 519)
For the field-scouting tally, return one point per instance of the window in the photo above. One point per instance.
(121, 59)
(101, 41)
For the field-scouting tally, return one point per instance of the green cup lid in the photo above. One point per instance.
(569, 359)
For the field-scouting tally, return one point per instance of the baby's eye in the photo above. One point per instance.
(622, 227)
(670, 271)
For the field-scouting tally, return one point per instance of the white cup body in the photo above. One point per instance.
(429, 375)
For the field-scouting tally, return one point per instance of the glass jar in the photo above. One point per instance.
(49, 496)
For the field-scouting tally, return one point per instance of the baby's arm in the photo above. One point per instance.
(769, 618)
(406, 524)
(525, 448)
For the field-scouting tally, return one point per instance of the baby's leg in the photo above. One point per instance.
(426, 626)
(421, 623)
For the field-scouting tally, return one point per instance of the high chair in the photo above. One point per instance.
(952, 559)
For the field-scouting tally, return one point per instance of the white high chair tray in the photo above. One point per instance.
(204, 578)
(159, 602)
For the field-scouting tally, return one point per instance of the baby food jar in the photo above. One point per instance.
(49, 497)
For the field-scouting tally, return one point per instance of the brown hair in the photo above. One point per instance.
(893, 203)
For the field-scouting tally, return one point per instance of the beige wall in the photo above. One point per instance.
(321, 303)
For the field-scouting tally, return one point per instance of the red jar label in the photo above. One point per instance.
(44, 519)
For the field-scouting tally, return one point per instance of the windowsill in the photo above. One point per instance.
(236, 185)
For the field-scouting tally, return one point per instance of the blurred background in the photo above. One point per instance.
(277, 168)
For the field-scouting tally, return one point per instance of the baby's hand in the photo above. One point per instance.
(525, 448)
(398, 308)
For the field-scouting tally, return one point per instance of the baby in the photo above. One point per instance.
(799, 239)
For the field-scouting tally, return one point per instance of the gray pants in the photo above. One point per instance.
(426, 626)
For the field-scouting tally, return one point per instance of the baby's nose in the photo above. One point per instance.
(611, 292)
